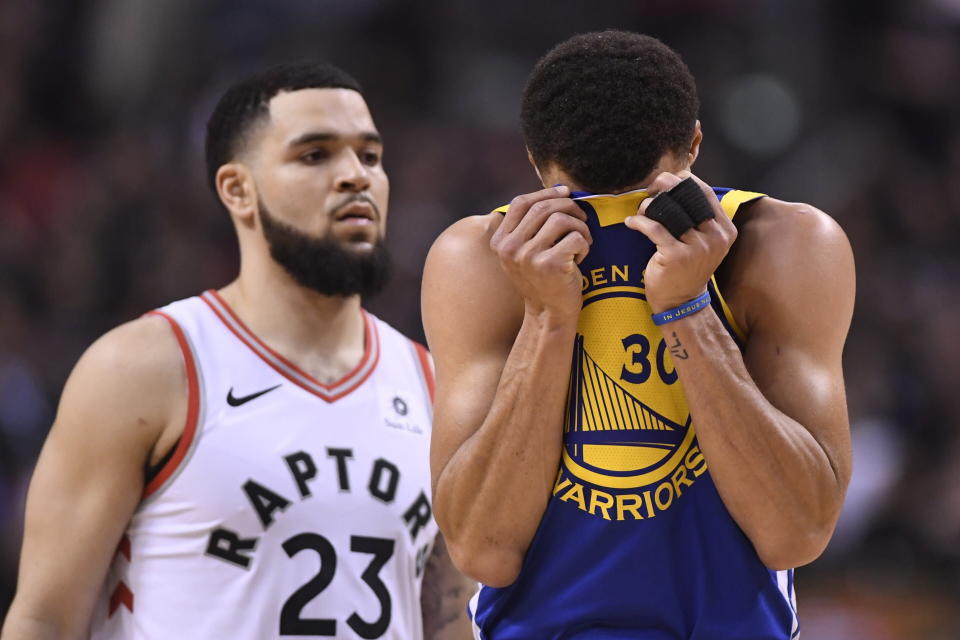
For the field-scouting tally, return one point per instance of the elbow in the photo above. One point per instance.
(477, 552)
(21, 624)
(798, 548)
(488, 564)
(799, 537)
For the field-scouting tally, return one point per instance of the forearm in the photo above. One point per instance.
(491, 495)
(776, 480)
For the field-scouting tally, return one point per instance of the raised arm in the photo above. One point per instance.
(122, 395)
(500, 308)
(772, 422)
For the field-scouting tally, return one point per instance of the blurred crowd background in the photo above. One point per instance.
(849, 105)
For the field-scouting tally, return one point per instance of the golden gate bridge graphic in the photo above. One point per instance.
(602, 414)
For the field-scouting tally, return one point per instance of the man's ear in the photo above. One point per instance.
(694, 150)
(237, 192)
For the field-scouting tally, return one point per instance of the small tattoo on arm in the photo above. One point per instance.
(676, 349)
(443, 597)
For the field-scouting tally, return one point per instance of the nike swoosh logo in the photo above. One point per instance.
(234, 401)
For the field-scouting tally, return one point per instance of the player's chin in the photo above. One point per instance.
(360, 243)
(359, 238)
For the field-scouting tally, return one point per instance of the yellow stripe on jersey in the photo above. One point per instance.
(731, 203)
(732, 200)
(608, 290)
(727, 313)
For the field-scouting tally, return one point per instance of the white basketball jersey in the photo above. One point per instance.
(289, 508)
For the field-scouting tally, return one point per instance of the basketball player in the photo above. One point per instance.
(284, 430)
(640, 426)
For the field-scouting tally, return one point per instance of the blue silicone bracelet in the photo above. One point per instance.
(687, 308)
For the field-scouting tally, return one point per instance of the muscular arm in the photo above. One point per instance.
(443, 599)
(772, 423)
(503, 362)
(89, 478)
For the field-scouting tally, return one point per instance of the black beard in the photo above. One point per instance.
(323, 264)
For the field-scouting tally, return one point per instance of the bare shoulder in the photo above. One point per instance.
(150, 335)
(470, 236)
(142, 352)
(131, 380)
(788, 225)
(464, 284)
(790, 252)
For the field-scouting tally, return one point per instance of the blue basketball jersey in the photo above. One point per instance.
(635, 541)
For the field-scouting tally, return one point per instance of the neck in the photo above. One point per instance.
(322, 335)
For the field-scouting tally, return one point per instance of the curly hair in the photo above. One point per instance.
(245, 102)
(605, 107)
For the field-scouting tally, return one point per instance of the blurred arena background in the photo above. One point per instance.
(850, 105)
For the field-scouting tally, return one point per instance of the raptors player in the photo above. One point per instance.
(253, 462)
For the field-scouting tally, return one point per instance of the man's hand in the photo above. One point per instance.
(540, 242)
(681, 267)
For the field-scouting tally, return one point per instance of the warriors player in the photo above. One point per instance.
(284, 430)
(662, 482)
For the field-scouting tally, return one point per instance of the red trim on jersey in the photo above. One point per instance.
(121, 595)
(124, 547)
(193, 408)
(424, 356)
(371, 340)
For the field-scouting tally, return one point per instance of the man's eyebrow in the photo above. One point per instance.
(327, 136)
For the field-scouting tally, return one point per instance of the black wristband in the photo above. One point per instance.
(689, 195)
(667, 212)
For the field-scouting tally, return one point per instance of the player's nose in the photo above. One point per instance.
(352, 174)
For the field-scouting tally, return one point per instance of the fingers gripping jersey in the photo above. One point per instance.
(635, 542)
(289, 508)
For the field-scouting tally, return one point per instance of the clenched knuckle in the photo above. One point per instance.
(540, 261)
(719, 241)
(507, 248)
(541, 208)
(519, 202)
(664, 180)
(526, 255)
(573, 209)
(720, 238)
(578, 226)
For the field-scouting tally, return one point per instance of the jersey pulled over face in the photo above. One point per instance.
(635, 539)
(289, 508)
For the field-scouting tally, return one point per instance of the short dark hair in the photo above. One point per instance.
(247, 101)
(605, 106)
